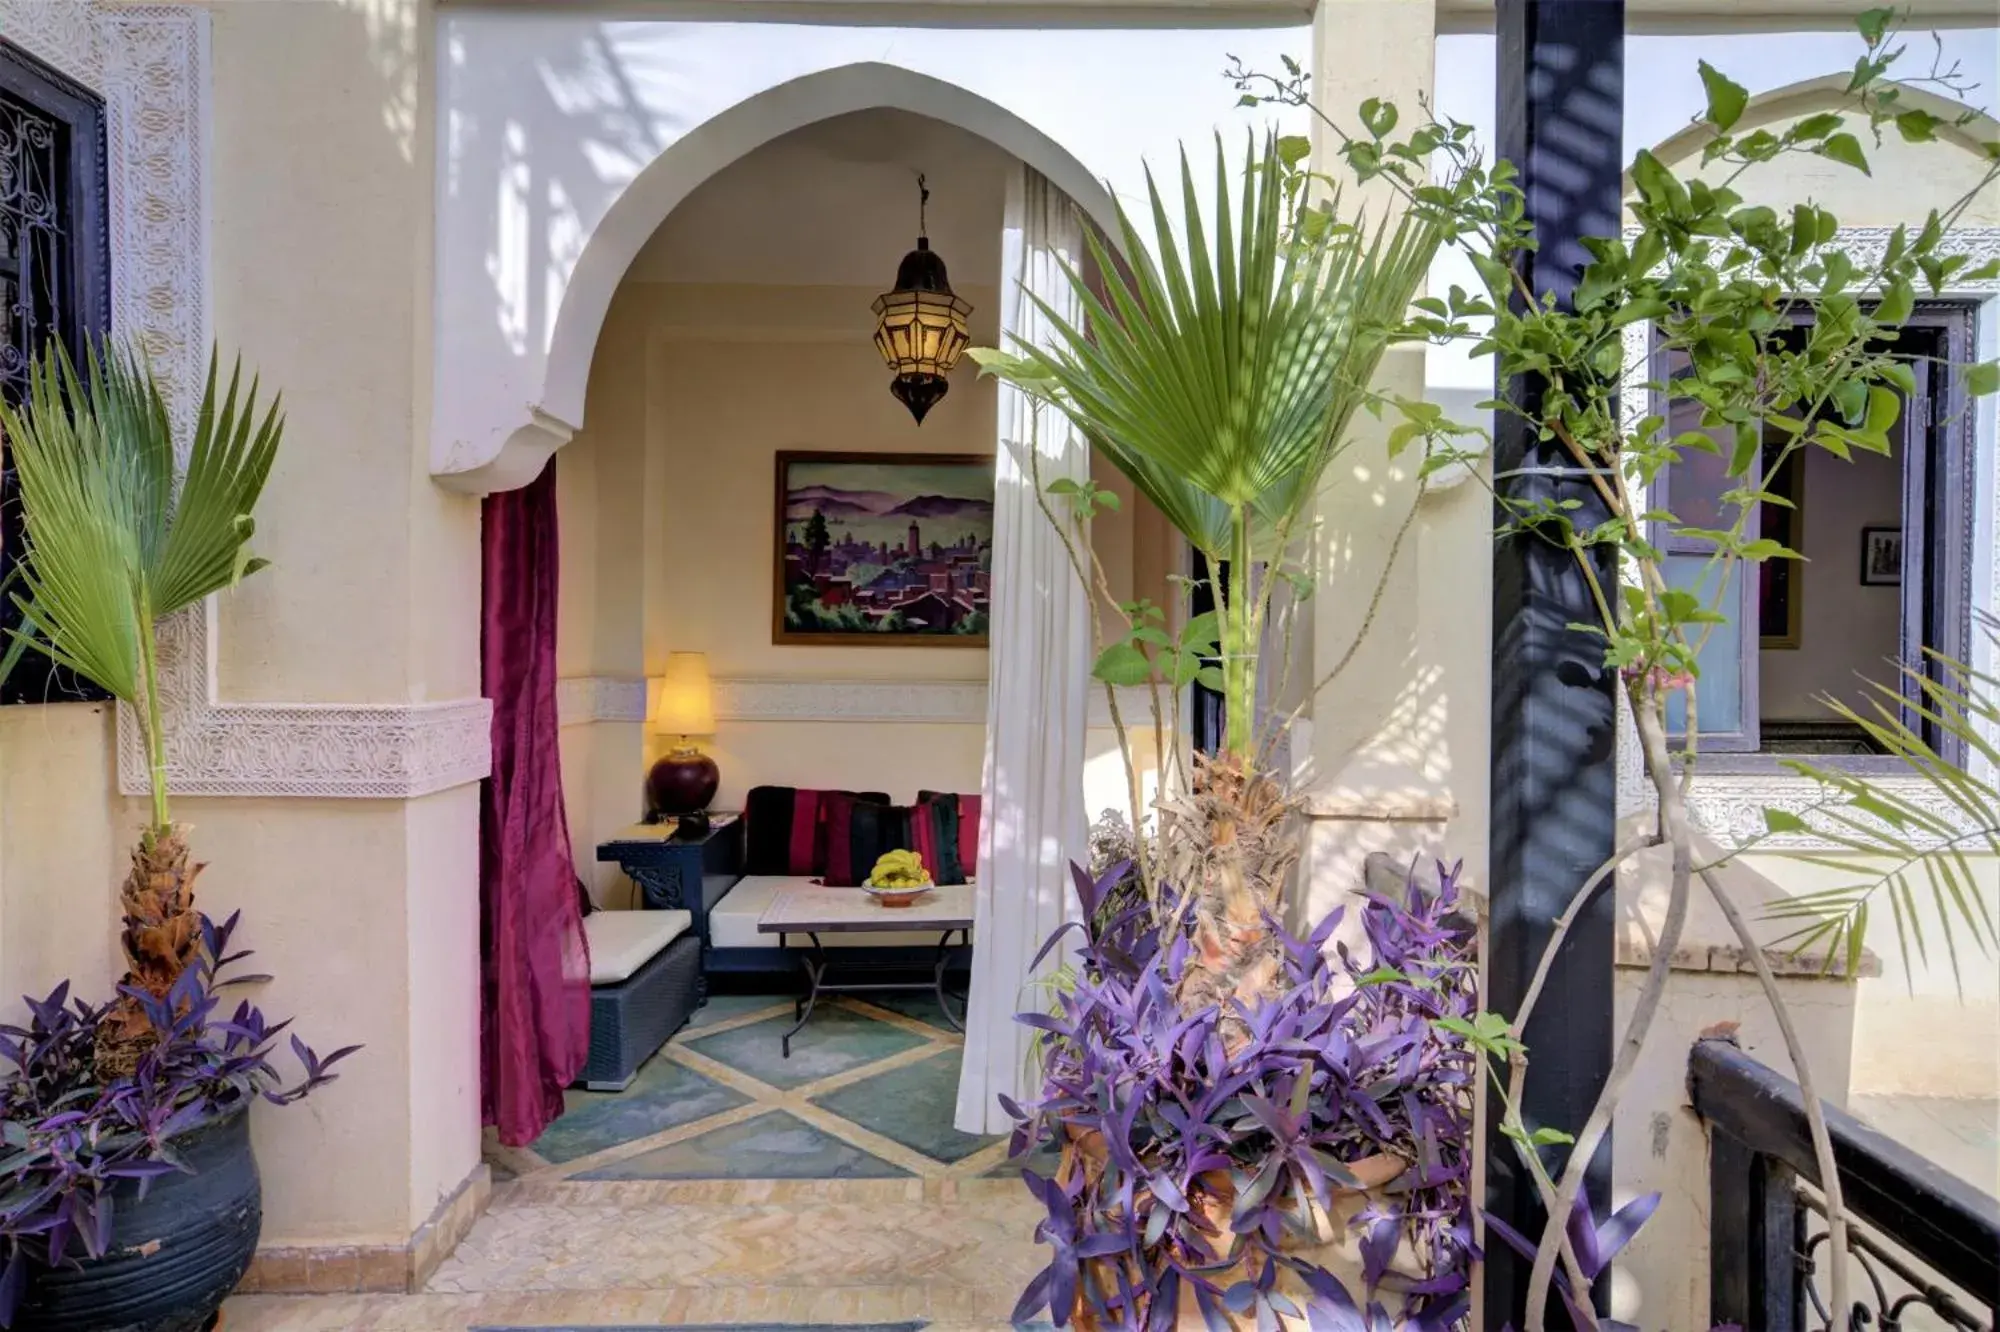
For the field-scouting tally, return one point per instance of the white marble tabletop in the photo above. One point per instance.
(820, 910)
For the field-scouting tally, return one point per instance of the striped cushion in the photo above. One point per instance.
(854, 843)
(785, 828)
(934, 832)
(967, 807)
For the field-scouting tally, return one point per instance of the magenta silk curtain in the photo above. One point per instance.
(534, 1026)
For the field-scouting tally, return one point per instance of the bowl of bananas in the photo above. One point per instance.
(899, 879)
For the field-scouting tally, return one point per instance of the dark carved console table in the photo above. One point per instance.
(674, 872)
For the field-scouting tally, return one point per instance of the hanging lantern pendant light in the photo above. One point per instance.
(920, 326)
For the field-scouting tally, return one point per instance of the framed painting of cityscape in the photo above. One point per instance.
(883, 549)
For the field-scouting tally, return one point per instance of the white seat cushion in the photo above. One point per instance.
(623, 941)
(732, 922)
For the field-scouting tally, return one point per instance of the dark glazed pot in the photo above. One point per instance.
(174, 1255)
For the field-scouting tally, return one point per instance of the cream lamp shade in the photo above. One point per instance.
(687, 704)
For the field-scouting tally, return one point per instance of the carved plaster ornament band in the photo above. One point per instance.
(583, 699)
(150, 63)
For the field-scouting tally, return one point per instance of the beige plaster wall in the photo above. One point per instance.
(1905, 180)
(721, 406)
(319, 179)
(60, 851)
(1398, 749)
(321, 216)
(1661, 1281)
(1921, 1028)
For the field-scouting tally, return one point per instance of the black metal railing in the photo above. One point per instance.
(1925, 1245)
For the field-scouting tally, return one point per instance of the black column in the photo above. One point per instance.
(1561, 88)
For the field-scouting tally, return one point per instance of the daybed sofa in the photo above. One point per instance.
(794, 837)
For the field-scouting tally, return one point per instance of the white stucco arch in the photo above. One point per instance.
(513, 451)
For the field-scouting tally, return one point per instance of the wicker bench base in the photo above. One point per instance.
(631, 1020)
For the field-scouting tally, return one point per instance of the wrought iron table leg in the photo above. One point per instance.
(937, 978)
(815, 969)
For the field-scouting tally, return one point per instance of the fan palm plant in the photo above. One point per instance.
(1909, 843)
(1221, 375)
(116, 542)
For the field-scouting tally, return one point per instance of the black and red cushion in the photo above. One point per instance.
(867, 833)
(966, 816)
(934, 834)
(785, 827)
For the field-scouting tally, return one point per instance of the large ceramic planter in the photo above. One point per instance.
(174, 1255)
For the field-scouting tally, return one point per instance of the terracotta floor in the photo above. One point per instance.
(728, 1186)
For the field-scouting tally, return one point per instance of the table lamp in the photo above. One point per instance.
(682, 783)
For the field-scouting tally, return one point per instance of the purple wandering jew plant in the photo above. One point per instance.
(68, 1140)
(1198, 1167)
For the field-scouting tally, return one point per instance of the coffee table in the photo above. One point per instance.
(814, 911)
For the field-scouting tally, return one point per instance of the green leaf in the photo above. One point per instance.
(1294, 149)
(1202, 631)
(1647, 250)
(1845, 149)
(1873, 23)
(1783, 821)
(1122, 664)
(1497, 276)
(1897, 302)
(1884, 406)
(1917, 126)
(1982, 378)
(1749, 445)
(1726, 98)
(1850, 399)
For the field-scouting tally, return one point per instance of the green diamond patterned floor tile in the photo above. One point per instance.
(664, 1095)
(911, 1105)
(773, 1146)
(835, 1041)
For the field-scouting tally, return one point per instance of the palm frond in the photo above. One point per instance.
(115, 540)
(1905, 841)
(1220, 368)
(81, 501)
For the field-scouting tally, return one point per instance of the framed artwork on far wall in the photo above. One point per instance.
(1881, 556)
(883, 549)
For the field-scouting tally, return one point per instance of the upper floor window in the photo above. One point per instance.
(1884, 585)
(55, 269)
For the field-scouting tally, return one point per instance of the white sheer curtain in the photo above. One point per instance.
(1038, 673)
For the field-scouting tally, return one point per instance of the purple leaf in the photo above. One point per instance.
(1615, 1233)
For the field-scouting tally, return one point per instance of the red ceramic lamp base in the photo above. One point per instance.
(683, 782)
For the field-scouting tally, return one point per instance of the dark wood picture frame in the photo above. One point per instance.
(1781, 586)
(1872, 574)
(784, 634)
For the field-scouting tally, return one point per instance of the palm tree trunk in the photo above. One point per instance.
(1231, 843)
(161, 939)
(162, 932)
